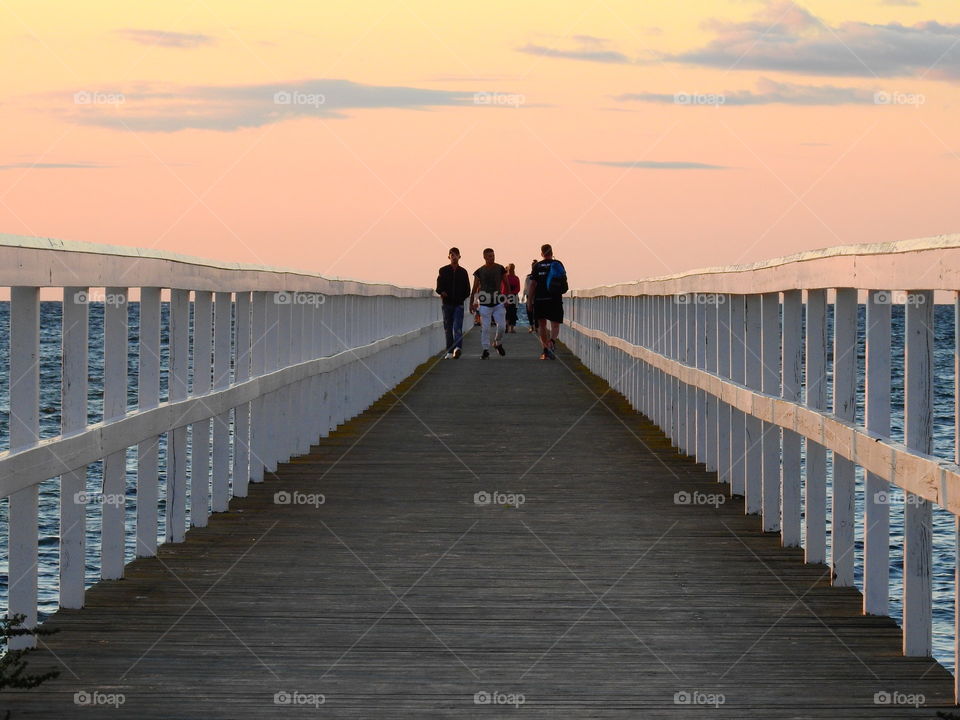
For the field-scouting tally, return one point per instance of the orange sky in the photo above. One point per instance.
(159, 125)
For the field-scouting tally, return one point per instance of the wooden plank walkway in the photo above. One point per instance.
(400, 596)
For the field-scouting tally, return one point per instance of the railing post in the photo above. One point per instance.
(917, 520)
(956, 518)
(723, 370)
(816, 387)
(844, 408)
(710, 350)
(200, 460)
(113, 506)
(73, 418)
(792, 391)
(284, 396)
(701, 355)
(241, 414)
(24, 431)
(272, 428)
(177, 439)
(770, 384)
(148, 396)
(222, 352)
(738, 440)
(876, 507)
(259, 408)
(753, 379)
(682, 388)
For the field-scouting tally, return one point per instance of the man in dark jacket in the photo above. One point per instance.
(453, 287)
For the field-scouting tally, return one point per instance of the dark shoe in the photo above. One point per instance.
(485, 354)
(456, 353)
(501, 350)
(544, 356)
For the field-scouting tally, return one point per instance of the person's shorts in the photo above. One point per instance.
(549, 309)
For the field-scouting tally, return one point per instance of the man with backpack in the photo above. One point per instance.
(549, 283)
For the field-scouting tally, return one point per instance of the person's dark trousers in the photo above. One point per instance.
(453, 326)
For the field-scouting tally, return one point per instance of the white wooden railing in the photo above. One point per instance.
(732, 364)
(279, 358)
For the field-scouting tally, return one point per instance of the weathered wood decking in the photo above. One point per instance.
(599, 596)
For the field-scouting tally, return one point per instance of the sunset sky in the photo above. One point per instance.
(362, 139)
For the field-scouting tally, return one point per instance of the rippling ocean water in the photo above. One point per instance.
(943, 542)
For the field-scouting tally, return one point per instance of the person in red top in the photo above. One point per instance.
(511, 288)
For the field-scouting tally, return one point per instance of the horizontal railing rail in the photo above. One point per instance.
(259, 363)
(758, 371)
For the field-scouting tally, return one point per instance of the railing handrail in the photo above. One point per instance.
(35, 261)
(928, 476)
(880, 266)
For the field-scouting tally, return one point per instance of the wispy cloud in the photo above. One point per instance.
(653, 165)
(166, 38)
(586, 47)
(51, 166)
(232, 107)
(900, 3)
(785, 37)
(769, 93)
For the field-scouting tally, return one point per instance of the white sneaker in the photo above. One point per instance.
(448, 356)
(456, 353)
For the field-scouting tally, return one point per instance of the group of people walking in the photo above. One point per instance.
(495, 296)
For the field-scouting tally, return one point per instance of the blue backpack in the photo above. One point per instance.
(557, 278)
